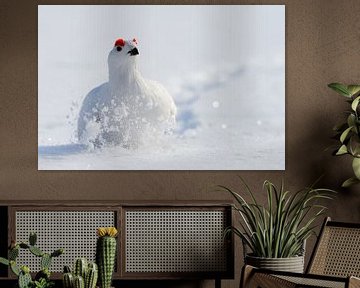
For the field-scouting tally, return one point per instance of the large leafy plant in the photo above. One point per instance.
(279, 229)
(348, 133)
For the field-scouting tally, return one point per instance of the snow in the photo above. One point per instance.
(223, 65)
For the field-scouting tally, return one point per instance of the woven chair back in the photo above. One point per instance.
(337, 252)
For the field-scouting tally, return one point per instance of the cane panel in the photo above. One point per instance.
(338, 252)
(74, 231)
(175, 241)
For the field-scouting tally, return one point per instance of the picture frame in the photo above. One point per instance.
(221, 108)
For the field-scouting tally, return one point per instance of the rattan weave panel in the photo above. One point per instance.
(304, 282)
(268, 281)
(75, 231)
(338, 253)
(175, 241)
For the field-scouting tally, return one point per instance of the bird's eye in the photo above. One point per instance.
(118, 48)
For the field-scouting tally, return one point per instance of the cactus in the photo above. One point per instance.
(25, 269)
(32, 238)
(42, 278)
(45, 261)
(80, 268)
(24, 245)
(24, 280)
(44, 273)
(13, 253)
(90, 272)
(68, 280)
(91, 276)
(57, 252)
(36, 251)
(14, 268)
(105, 254)
(79, 282)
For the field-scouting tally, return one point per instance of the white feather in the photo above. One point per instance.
(127, 109)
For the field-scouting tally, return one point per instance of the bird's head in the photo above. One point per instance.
(123, 54)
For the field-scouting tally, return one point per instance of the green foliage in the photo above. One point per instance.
(4, 261)
(43, 283)
(279, 229)
(42, 278)
(348, 132)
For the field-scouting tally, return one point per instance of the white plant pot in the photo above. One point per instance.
(291, 264)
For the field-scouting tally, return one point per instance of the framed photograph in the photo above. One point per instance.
(161, 87)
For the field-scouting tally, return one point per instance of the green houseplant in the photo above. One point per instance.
(348, 132)
(275, 233)
(42, 278)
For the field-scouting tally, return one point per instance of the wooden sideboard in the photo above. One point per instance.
(157, 240)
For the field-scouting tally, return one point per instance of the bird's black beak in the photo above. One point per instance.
(133, 52)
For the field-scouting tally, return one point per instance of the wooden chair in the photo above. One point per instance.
(335, 262)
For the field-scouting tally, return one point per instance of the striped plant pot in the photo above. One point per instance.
(291, 264)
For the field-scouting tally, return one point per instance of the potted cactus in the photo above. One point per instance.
(84, 275)
(42, 278)
(106, 254)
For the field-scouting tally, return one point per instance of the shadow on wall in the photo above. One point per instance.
(321, 161)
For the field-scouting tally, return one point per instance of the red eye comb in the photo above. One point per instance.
(135, 41)
(120, 42)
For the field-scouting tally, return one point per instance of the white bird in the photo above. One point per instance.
(127, 109)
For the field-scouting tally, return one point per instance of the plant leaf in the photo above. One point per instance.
(279, 228)
(248, 190)
(345, 134)
(353, 89)
(355, 103)
(342, 150)
(349, 182)
(340, 88)
(356, 167)
(4, 261)
(351, 120)
(354, 143)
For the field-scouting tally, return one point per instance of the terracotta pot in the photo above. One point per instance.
(291, 264)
